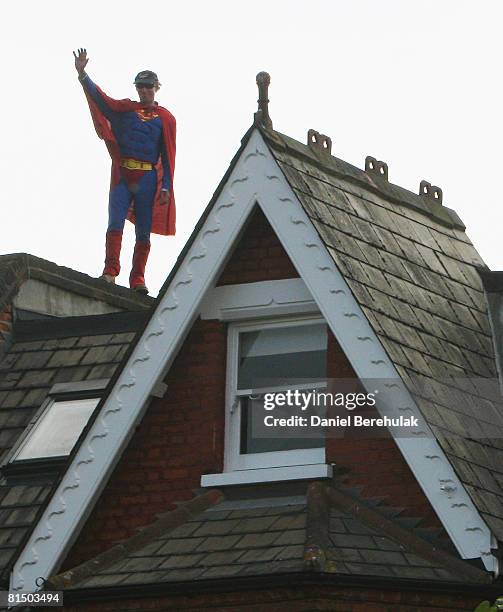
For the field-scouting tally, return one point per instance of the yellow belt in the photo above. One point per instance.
(134, 164)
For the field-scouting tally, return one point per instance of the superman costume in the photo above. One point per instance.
(141, 142)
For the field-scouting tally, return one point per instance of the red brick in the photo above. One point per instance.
(259, 256)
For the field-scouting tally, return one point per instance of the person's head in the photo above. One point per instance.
(147, 84)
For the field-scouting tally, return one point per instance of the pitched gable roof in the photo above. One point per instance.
(299, 217)
(56, 351)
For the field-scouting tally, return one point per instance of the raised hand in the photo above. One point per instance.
(80, 60)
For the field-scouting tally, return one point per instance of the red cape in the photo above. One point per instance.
(163, 217)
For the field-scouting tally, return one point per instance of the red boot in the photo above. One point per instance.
(137, 276)
(112, 256)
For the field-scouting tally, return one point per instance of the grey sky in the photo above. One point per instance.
(416, 84)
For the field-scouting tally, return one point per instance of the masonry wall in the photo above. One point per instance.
(258, 256)
(179, 438)
(182, 435)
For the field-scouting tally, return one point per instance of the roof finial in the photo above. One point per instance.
(261, 117)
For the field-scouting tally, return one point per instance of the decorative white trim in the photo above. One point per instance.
(258, 300)
(256, 177)
(123, 409)
(271, 474)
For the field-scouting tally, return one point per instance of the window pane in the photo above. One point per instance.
(282, 353)
(262, 444)
(57, 430)
(275, 357)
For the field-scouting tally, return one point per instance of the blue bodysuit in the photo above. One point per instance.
(139, 136)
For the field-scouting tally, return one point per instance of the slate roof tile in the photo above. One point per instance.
(179, 561)
(216, 528)
(257, 540)
(221, 571)
(180, 546)
(293, 521)
(259, 524)
(219, 542)
(433, 322)
(101, 371)
(93, 341)
(72, 374)
(60, 343)
(102, 354)
(66, 358)
(11, 399)
(222, 558)
(259, 555)
(32, 360)
(37, 378)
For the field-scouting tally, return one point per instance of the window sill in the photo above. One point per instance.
(293, 472)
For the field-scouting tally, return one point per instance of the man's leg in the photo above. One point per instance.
(144, 200)
(118, 204)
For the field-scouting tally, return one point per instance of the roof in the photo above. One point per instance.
(16, 268)
(414, 273)
(411, 270)
(42, 355)
(326, 530)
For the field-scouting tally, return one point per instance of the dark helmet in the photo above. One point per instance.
(146, 77)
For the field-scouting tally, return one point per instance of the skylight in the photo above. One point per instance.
(57, 430)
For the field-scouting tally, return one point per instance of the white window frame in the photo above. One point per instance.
(233, 459)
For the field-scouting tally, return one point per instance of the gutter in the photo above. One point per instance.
(291, 581)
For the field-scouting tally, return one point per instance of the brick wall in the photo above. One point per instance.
(5, 325)
(259, 255)
(179, 438)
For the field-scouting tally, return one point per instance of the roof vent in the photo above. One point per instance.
(376, 167)
(319, 142)
(261, 117)
(431, 192)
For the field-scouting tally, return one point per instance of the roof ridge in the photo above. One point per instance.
(166, 522)
(353, 174)
(24, 266)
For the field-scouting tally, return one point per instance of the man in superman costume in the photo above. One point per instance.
(140, 137)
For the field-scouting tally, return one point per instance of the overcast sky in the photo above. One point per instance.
(416, 84)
